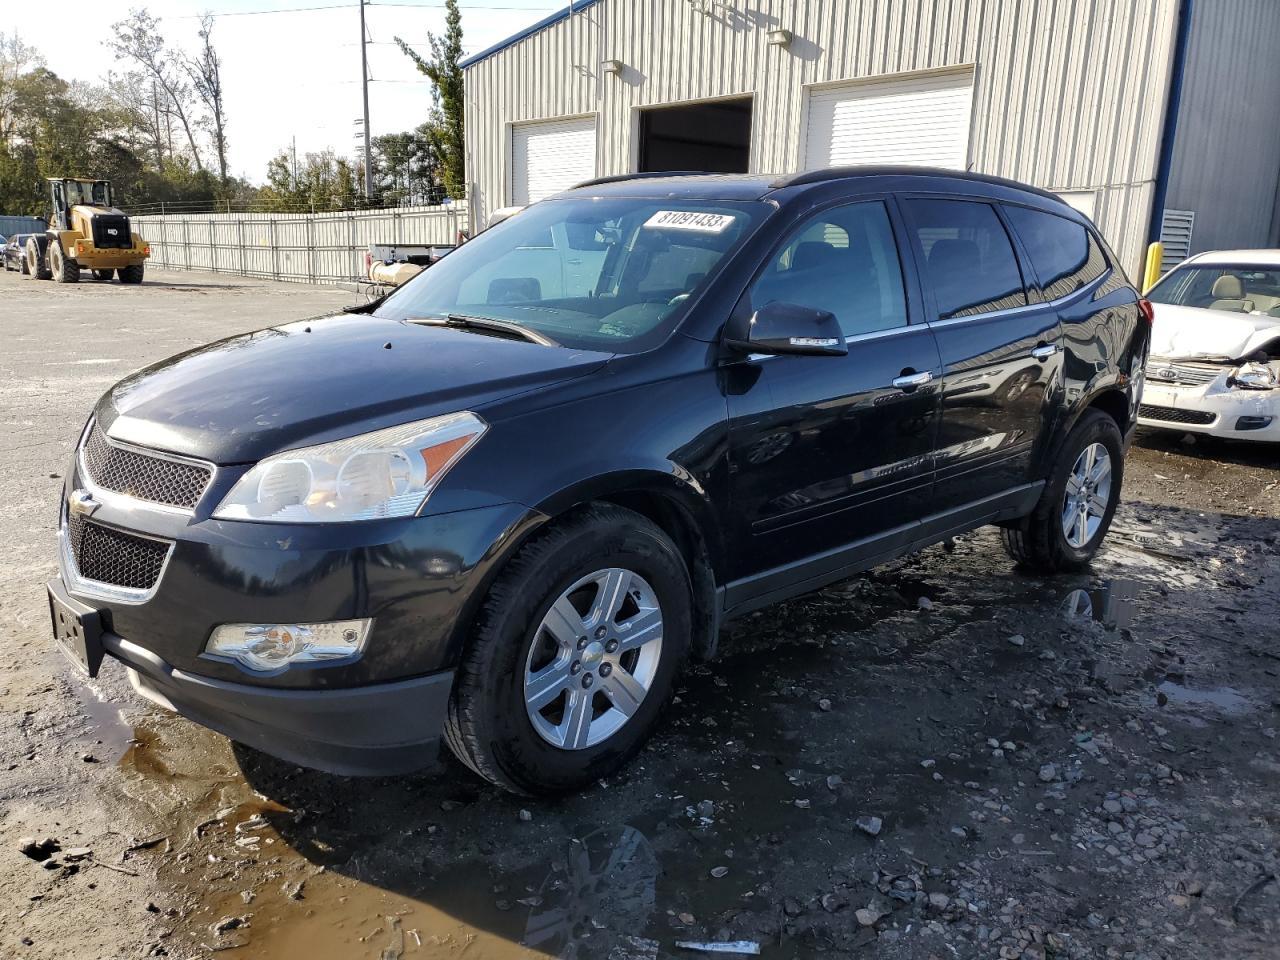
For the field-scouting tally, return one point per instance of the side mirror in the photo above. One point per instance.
(781, 328)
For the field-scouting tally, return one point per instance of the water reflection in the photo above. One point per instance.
(1112, 604)
(608, 880)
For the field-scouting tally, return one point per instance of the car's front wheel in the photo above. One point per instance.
(1078, 502)
(574, 654)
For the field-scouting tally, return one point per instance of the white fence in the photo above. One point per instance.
(304, 247)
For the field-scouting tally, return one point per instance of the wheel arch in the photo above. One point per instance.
(670, 502)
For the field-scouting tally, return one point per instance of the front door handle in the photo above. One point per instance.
(909, 381)
(1044, 351)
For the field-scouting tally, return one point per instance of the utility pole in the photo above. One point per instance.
(364, 83)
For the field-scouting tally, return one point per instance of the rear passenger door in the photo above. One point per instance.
(1090, 296)
(1001, 349)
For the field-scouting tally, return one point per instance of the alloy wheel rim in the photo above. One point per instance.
(593, 658)
(1087, 495)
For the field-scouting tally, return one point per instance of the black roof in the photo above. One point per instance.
(757, 186)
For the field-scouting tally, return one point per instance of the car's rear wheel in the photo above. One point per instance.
(574, 654)
(104, 275)
(132, 274)
(1074, 512)
(22, 266)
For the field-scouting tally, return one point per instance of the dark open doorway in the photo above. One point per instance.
(713, 136)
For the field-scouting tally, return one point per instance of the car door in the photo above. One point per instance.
(1001, 350)
(829, 452)
(1091, 297)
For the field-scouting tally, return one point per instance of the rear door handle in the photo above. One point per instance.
(1044, 351)
(909, 381)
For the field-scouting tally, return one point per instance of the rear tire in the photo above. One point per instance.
(104, 276)
(1051, 539)
(65, 270)
(507, 733)
(131, 274)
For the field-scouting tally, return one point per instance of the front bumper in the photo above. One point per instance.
(1223, 410)
(381, 729)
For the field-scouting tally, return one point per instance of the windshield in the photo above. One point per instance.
(1236, 288)
(87, 192)
(613, 275)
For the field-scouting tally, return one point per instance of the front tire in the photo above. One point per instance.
(104, 276)
(131, 274)
(65, 270)
(37, 267)
(1075, 510)
(574, 654)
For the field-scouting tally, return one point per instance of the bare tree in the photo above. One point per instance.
(16, 58)
(138, 39)
(205, 71)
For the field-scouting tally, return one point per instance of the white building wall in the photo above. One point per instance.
(1069, 94)
(1226, 161)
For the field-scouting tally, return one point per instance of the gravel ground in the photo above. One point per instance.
(945, 758)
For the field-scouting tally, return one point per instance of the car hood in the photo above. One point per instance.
(1188, 333)
(240, 399)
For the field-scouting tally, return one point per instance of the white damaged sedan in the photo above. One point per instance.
(1215, 347)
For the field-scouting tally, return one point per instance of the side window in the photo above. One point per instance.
(968, 257)
(1065, 254)
(844, 261)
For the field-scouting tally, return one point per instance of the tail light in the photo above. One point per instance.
(1148, 311)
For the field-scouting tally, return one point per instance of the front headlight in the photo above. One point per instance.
(387, 473)
(1253, 376)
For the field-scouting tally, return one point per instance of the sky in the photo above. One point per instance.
(285, 74)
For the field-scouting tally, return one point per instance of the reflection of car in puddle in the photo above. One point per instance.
(1111, 605)
(607, 879)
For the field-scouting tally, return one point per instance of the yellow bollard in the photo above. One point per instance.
(1151, 272)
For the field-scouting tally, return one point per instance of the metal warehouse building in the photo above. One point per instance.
(1150, 115)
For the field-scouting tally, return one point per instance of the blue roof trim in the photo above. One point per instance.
(556, 17)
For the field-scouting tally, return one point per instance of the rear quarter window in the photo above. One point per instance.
(1065, 255)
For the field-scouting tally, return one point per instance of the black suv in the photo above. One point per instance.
(504, 504)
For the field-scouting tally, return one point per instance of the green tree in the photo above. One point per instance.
(444, 130)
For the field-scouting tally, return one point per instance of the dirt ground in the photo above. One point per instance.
(945, 758)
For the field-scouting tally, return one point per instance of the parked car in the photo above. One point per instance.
(507, 502)
(1215, 356)
(14, 252)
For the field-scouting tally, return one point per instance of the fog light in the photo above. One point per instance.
(268, 647)
(1253, 423)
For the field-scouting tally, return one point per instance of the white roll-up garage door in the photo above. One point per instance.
(918, 119)
(549, 156)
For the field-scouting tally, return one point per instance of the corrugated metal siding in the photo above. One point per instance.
(1069, 94)
(1226, 160)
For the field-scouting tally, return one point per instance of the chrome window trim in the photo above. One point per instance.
(106, 591)
(125, 501)
(997, 314)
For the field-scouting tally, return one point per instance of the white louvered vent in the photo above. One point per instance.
(547, 157)
(1175, 234)
(920, 119)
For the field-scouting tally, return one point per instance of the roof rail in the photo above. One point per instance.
(656, 174)
(902, 170)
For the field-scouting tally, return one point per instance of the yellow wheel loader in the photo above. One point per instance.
(86, 233)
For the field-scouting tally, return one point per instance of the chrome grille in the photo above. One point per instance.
(1182, 374)
(1173, 415)
(155, 478)
(110, 556)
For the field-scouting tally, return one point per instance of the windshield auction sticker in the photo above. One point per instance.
(689, 220)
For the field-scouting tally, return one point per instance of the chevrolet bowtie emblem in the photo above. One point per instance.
(81, 503)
